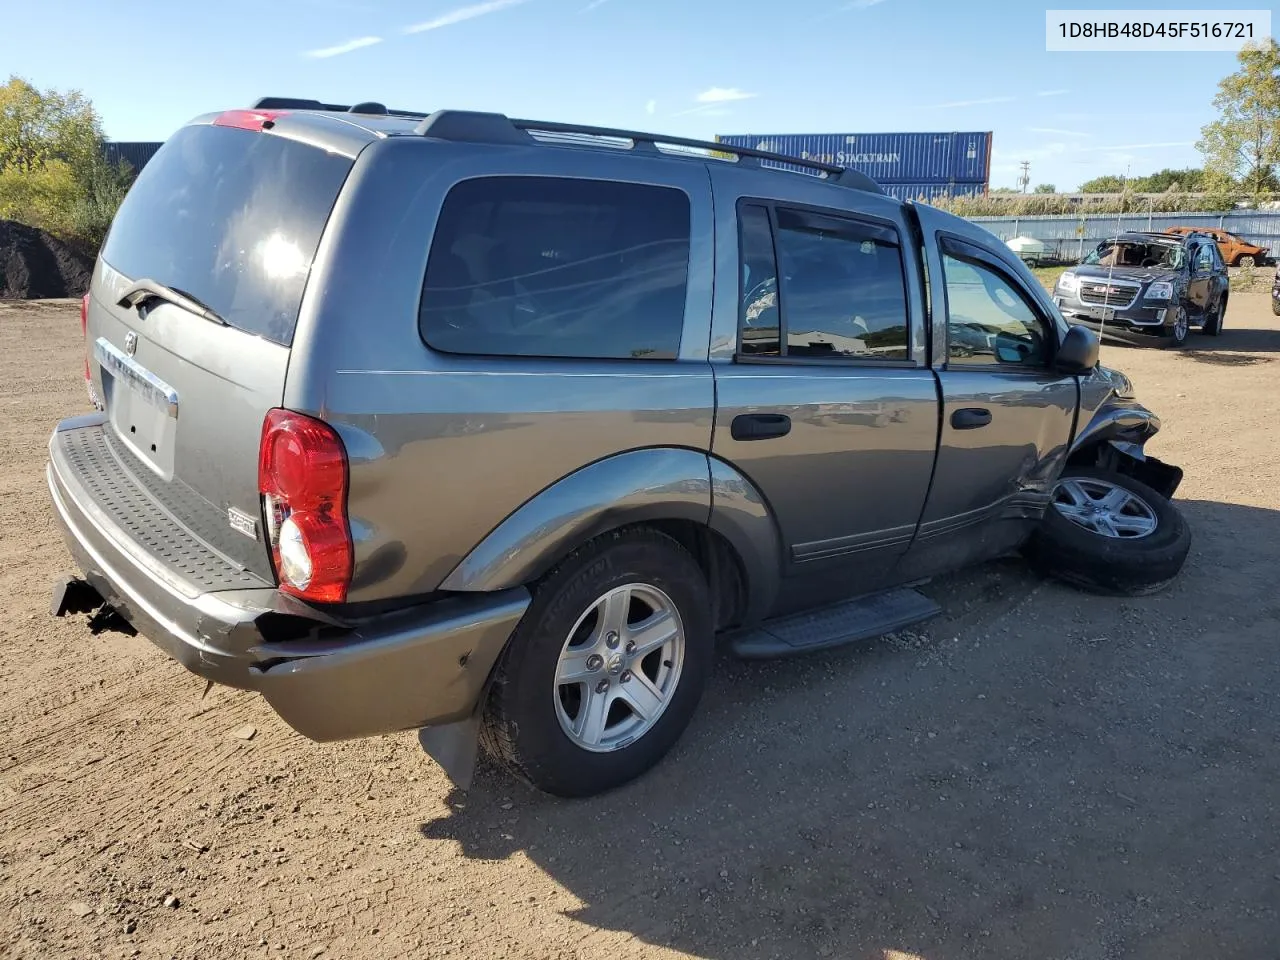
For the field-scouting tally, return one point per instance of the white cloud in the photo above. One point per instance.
(861, 4)
(723, 95)
(592, 5)
(461, 14)
(342, 48)
(966, 103)
(1051, 93)
(651, 107)
(1140, 146)
(1058, 132)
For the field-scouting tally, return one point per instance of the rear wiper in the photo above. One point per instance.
(144, 290)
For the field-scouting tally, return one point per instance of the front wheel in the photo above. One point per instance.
(1176, 329)
(606, 668)
(1110, 533)
(1246, 261)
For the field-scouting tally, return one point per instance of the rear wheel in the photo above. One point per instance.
(606, 668)
(1111, 534)
(1213, 322)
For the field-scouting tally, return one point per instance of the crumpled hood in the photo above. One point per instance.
(1141, 274)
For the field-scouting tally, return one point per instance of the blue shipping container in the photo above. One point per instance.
(886, 157)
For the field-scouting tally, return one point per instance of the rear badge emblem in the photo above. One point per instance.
(242, 522)
(131, 343)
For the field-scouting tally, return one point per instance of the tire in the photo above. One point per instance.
(1128, 566)
(1177, 330)
(528, 712)
(1275, 306)
(1246, 260)
(1213, 323)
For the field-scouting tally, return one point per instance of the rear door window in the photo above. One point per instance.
(233, 218)
(556, 267)
(842, 293)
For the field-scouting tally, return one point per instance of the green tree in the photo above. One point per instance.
(53, 172)
(1190, 180)
(37, 126)
(1243, 144)
(1107, 184)
(1045, 188)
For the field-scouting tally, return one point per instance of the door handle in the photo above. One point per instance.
(970, 418)
(760, 426)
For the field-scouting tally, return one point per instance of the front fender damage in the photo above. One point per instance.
(1115, 439)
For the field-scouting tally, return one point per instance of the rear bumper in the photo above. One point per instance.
(419, 666)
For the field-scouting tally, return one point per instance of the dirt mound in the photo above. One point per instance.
(35, 265)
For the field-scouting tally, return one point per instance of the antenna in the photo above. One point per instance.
(1115, 252)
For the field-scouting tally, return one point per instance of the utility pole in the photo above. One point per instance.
(1025, 180)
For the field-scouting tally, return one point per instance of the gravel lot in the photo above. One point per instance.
(1037, 774)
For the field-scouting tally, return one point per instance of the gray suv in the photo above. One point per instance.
(490, 428)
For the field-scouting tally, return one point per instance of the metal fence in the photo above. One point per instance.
(1070, 236)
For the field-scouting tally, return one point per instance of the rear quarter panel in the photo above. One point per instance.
(444, 447)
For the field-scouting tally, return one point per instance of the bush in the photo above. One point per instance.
(42, 197)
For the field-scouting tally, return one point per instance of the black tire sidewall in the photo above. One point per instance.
(1067, 551)
(528, 734)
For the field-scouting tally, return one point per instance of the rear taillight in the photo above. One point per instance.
(302, 476)
(84, 332)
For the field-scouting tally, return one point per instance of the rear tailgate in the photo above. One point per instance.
(229, 218)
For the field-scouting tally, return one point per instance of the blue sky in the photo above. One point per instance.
(686, 67)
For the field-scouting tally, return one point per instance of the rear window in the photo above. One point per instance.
(553, 267)
(233, 218)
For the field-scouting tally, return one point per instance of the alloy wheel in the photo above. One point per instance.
(619, 668)
(1104, 508)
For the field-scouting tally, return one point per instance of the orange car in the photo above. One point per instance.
(1236, 251)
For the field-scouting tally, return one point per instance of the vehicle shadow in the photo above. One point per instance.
(1241, 340)
(1036, 773)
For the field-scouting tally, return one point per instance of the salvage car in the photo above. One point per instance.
(1234, 249)
(490, 428)
(1147, 288)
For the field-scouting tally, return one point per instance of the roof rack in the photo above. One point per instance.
(476, 127)
(366, 108)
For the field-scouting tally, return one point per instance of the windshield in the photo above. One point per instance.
(232, 219)
(1125, 253)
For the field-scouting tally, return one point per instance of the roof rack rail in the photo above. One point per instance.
(366, 108)
(473, 126)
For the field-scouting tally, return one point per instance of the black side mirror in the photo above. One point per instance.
(1078, 352)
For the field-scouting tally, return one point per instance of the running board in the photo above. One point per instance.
(846, 622)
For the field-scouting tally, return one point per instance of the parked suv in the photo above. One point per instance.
(1147, 287)
(491, 427)
(1235, 250)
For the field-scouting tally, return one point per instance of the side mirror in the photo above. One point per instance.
(1078, 352)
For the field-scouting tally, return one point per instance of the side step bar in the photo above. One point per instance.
(846, 622)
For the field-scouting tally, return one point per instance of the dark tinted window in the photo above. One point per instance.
(540, 266)
(843, 288)
(233, 218)
(759, 310)
(988, 320)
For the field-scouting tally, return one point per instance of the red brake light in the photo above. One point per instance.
(248, 119)
(302, 476)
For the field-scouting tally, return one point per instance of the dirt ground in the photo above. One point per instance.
(1037, 774)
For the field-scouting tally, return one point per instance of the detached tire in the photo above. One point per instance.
(606, 668)
(1103, 550)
